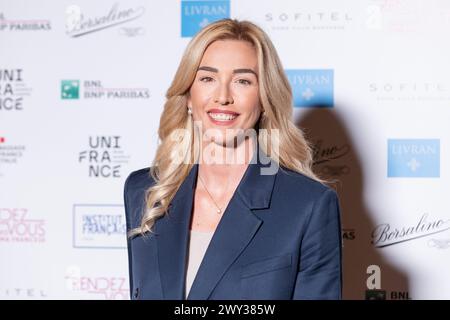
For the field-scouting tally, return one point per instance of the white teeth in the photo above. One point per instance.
(222, 116)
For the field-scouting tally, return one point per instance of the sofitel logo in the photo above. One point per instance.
(94, 89)
(15, 226)
(413, 158)
(24, 25)
(12, 90)
(312, 88)
(308, 21)
(77, 24)
(97, 287)
(384, 235)
(197, 14)
(408, 91)
(99, 226)
(23, 293)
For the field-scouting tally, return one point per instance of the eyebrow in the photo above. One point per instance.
(243, 70)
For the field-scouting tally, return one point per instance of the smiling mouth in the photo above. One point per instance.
(218, 116)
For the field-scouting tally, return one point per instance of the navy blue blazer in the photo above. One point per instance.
(279, 238)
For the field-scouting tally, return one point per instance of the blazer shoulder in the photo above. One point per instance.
(301, 184)
(139, 179)
(134, 193)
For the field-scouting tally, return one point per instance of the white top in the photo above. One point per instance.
(197, 247)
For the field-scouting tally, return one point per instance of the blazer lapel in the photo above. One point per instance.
(172, 234)
(236, 228)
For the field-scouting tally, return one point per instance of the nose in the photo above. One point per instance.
(223, 95)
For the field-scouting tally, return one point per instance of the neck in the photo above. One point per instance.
(221, 164)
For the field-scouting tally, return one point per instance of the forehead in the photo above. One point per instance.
(232, 53)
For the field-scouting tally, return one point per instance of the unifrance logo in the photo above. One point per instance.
(94, 89)
(13, 90)
(24, 25)
(79, 24)
(104, 157)
(16, 226)
(312, 88)
(99, 226)
(196, 15)
(96, 287)
(413, 158)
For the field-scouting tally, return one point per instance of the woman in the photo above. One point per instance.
(230, 208)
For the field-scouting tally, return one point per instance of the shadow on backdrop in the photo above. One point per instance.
(336, 158)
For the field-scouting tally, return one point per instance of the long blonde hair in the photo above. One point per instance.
(293, 151)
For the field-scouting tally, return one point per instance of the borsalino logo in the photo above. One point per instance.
(197, 14)
(78, 24)
(384, 235)
(312, 88)
(413, 158)
(99, 226)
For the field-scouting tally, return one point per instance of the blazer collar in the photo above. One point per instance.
(236, 228)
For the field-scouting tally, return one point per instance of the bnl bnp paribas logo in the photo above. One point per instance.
(196, 15)
(94, 89)
(413, 158)
(312, 87)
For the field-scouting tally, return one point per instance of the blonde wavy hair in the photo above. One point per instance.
(293, 151)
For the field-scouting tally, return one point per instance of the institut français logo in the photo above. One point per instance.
(312, 88)
(197, 14)
(99, 226)
(414, 158)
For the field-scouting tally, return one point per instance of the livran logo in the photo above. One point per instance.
(312, 88)
(70, 89)
(413, 158)
(197, 14)
(99, 226)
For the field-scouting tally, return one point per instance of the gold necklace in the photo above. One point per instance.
(219, 209)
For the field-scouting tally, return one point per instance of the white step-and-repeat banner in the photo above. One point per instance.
(82, 86)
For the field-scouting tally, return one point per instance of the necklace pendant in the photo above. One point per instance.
(219, 211)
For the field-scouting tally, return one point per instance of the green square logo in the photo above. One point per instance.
(70, 89)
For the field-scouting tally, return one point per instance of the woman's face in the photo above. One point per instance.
(225, 95)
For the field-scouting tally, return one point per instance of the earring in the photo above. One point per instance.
(189, 111)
